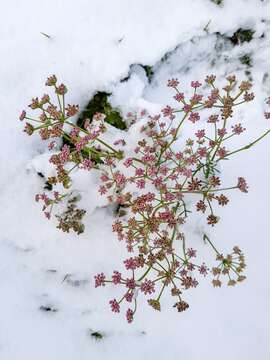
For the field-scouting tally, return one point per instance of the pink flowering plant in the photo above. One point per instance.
(151, 185)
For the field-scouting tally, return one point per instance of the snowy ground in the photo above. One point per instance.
(91, 47)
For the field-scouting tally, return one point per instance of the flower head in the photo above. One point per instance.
(99, 280)
(129, 316)
(115, 307)
(147, 287)
(242, 185)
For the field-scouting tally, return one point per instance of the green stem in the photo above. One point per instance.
(144, 275)
(162, 289)
(206, 238)
(249, 145)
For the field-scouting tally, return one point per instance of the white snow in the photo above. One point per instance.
(91, 46)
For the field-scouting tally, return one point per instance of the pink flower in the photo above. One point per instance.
(120, 142)
(120, 179)
(81, 144)
(129, 316)
(249, 96)
(186, 108)
(143, 112)
(102, 190)
(109, 161)
(128, 162)
(87, 164)
(193, 117)
(139, 172)
(129, 296)
(202, 152)
(117, 226)
(45, 99)
(213, 119)
(149, 197)
(210, 79)
(34, 104)
(99, 280)
(44, 198)
(116, 277)
(191, 252)
(152, 171)
(168, 112)
(44, 133)
(196, 98)
(179, 97)
(140, 183)
(187, 173)
(72, 110)
(56, 194)
(168, 155)
(65, 152)
(29, 129)
(179, 155)
(115, 307)
(47, 214)
(200, 134)
(104, 177)
(51, 145)
(61, 89)
(203, 270)
(164, 169)
(74, 132)
(242, 185)
(212, 220)
(158, 181)
(222, 152)
(130, 283)
(222, 132)
(267, 115)
(23, 115)
(173, 83)
(148, 158)
(130, 264)
(147, 287)
(195, 84)
(51, 80)
(238, 129)
(201, 206)
(169, 196)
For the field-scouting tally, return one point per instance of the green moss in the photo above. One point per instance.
(100, 103)
(241, 36)
(148, 71)
(47, 308)
(246, 60)
(96, 335)
(217, 2)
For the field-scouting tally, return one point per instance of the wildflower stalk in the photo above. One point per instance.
(206, 239)
(246, 147)
(151, 194)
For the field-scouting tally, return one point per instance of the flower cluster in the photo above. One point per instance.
(153, 184)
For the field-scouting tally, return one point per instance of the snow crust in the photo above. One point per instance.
(91, 47)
